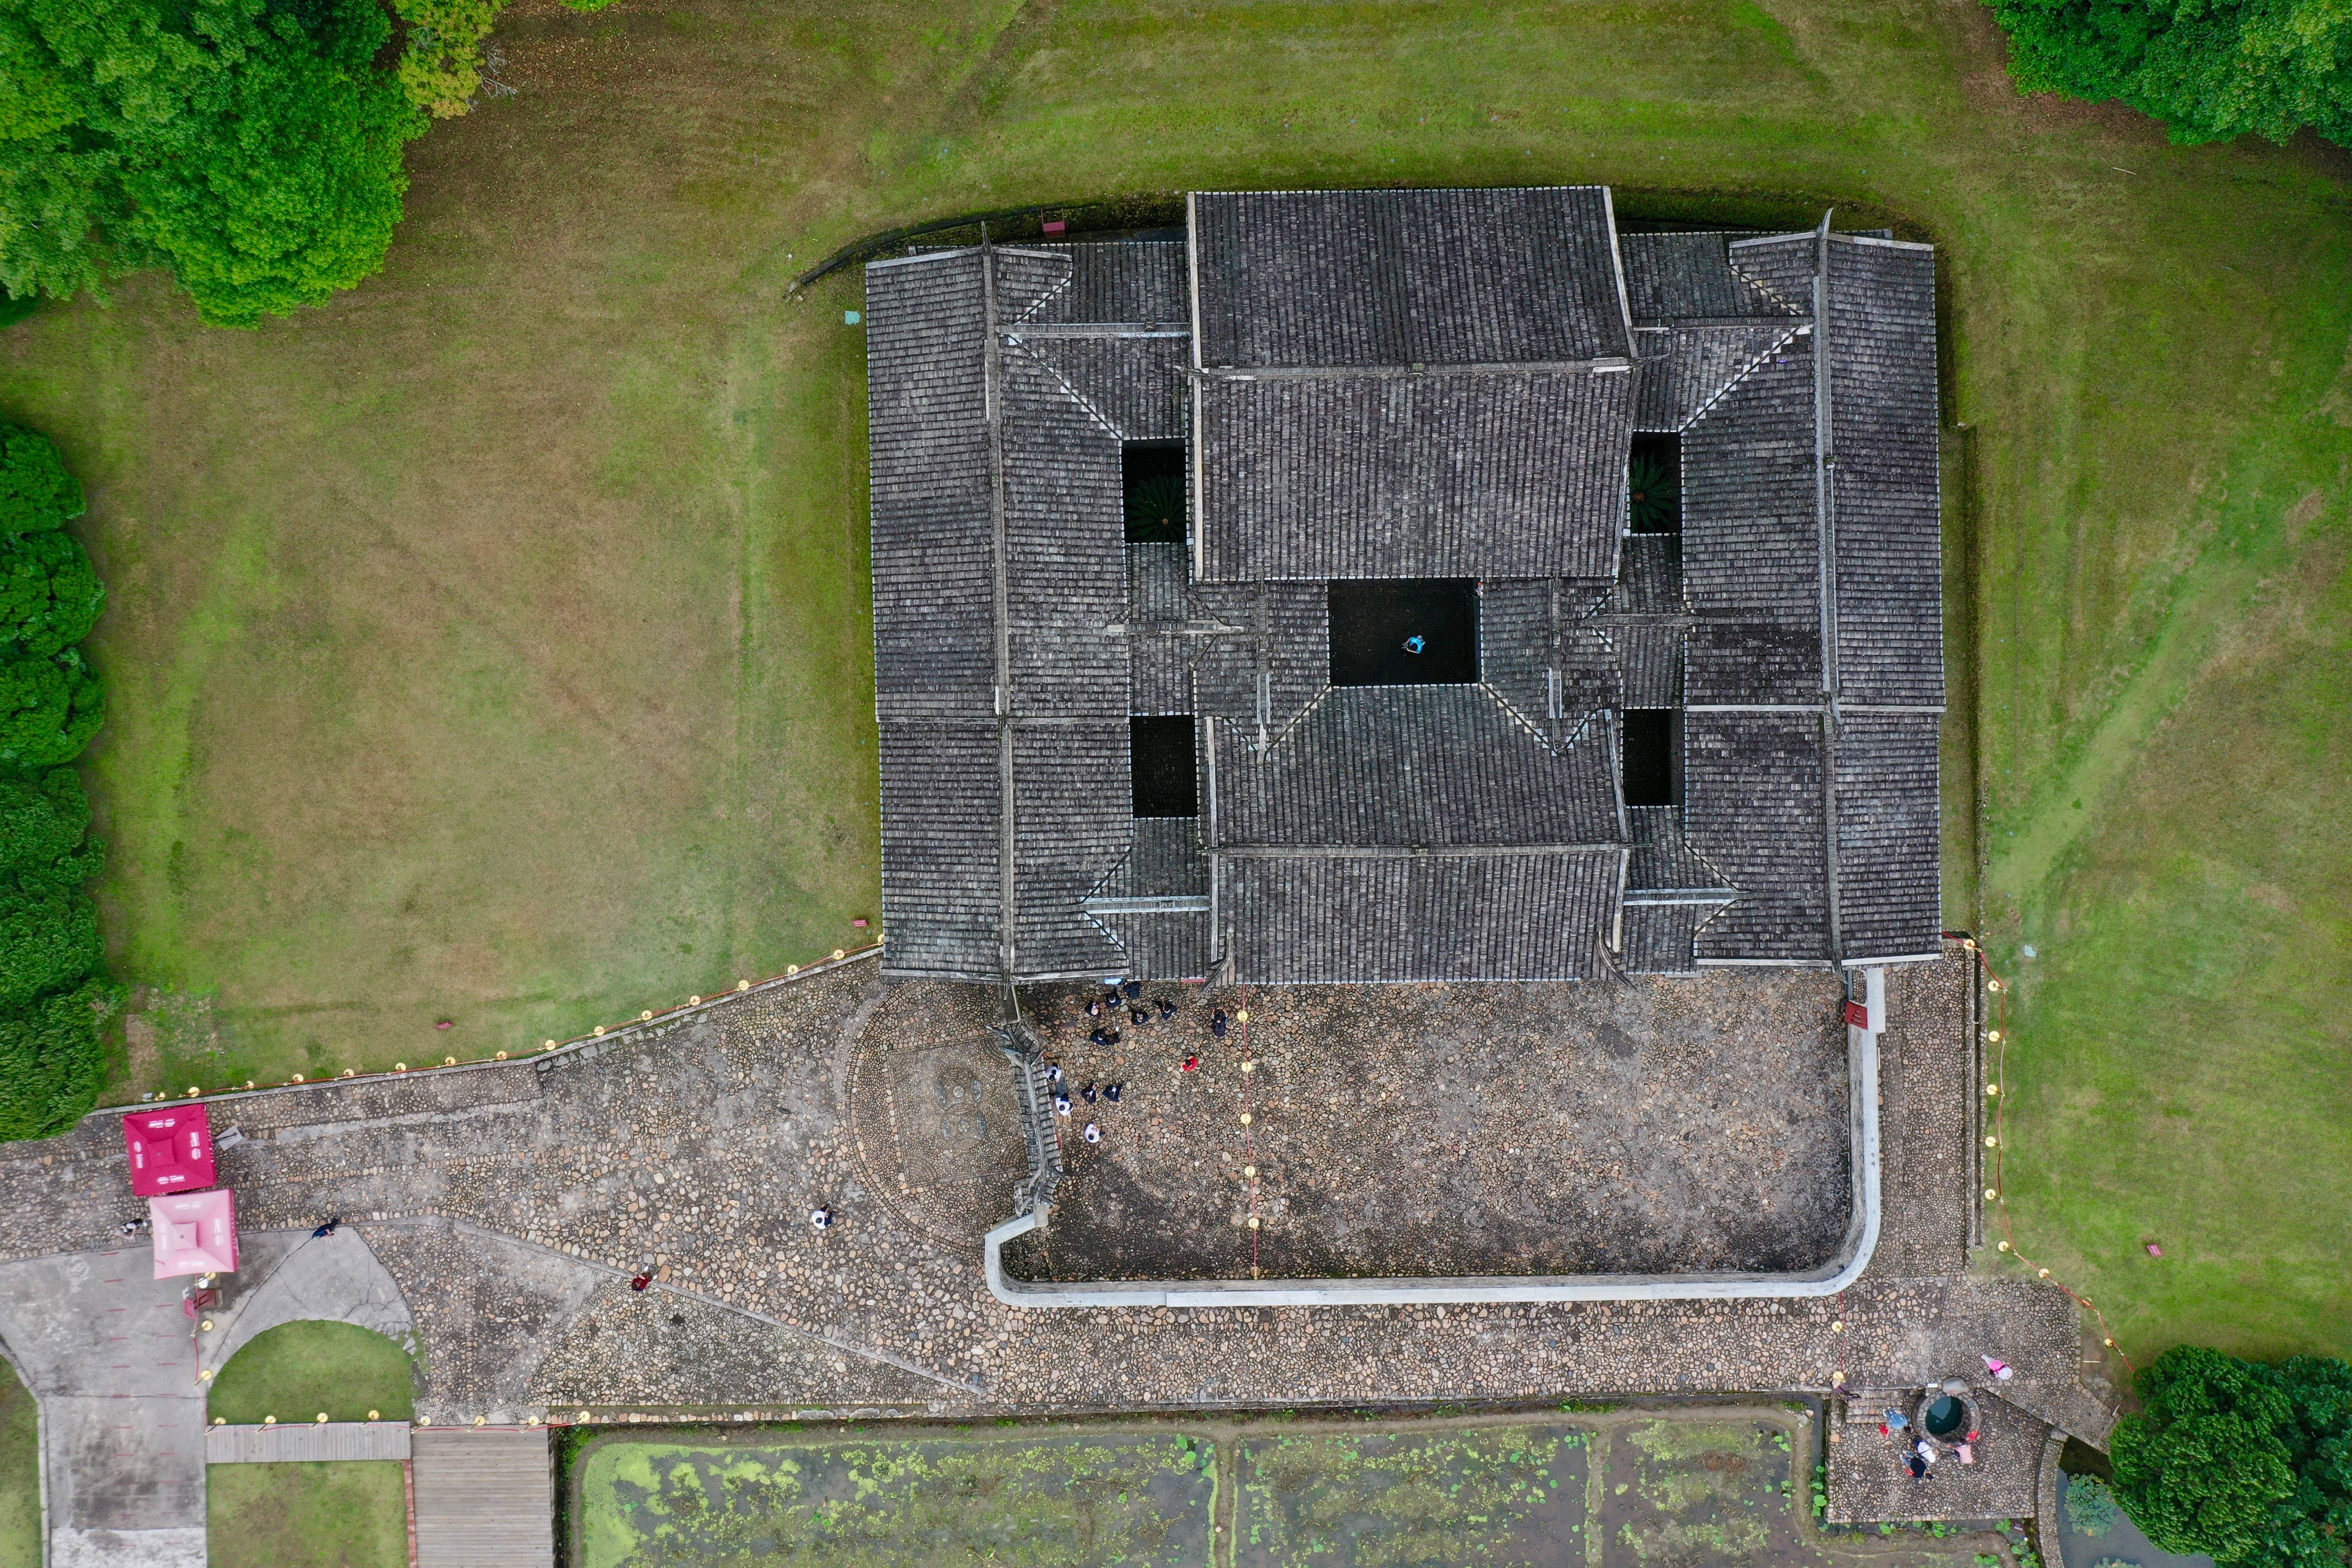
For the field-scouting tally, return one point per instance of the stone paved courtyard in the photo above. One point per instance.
(510, 1203)
(1656, 1126)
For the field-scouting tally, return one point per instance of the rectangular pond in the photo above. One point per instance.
(1698, 1488)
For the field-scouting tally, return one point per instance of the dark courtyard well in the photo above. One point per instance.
(1420, 631)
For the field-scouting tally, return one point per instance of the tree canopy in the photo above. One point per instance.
(37, 494)
(54, 991)
(2209, 70)
(251, 146)
(2249, 1463)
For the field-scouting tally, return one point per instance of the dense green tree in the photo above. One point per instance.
(49, 708)
(47, 944)
(251, 146)
(49, 594)
(54, 991)
(2247, 1463)
(51, 1063)
(2209, 70)
(37, 494)
(44, 828)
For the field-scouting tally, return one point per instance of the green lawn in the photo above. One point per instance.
(297, 1371)
(346, 1514)
(489, 644)
(20, 1474)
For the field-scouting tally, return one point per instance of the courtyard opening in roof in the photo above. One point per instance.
(1653, 484)
(1414, 631)
(1652, 758)
(1151, 474)
(1167, 781)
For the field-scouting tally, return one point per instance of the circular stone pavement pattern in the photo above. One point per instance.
(932, 1109)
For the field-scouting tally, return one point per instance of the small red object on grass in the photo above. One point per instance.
(445, 1024)
(2154, 1250)
(859, 922)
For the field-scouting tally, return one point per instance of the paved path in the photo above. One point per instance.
(108, 1352)
(509, 1205)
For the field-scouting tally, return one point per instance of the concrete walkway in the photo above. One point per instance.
(110, 1356)
(116, 1362)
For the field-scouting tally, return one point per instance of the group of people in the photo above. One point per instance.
(1920, 1452)
(1089, 1092)
(1124, 997)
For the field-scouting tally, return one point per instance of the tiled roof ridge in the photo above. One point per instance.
(1707, 407)
(1521, 719)
(1290, 726)
(1072, 393)
(1049, 297)
(1731, 260)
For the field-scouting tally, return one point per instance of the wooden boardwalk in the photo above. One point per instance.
(307, 1440)
(484, 1499)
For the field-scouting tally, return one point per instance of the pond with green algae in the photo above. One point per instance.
(1629, 1490)
(1044, 1501)
(1488, 1495)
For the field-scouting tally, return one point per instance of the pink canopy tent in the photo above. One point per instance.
(171, 1151)
(195, 1233)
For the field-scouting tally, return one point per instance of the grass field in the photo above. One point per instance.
(347, 1514)
(297, 1371)
(20, 1474)
(489, 644)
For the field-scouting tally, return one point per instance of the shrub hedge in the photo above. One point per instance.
(55, 994)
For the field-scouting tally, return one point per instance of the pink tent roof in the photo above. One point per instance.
(171, 1151)
(195, 1233)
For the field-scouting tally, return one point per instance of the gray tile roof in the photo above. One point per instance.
(1407, 833)
(1663, 861)
(1421, 917)
(1399, 278)
(1508, 474)
(1889, 865)
(1753, 805)
(1159, 653)
(1142, 282)
(1889, 512)
(1136, 384)
(1537, 655)
(1679, 277)
(1408, 766)
(1660, 939)
(1698, 326)
(1269, 653)
(1751, 539)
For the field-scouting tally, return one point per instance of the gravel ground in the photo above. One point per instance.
(1661, 1126)
(511, 1204)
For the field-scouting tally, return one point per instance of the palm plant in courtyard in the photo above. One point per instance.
(1652, 493)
